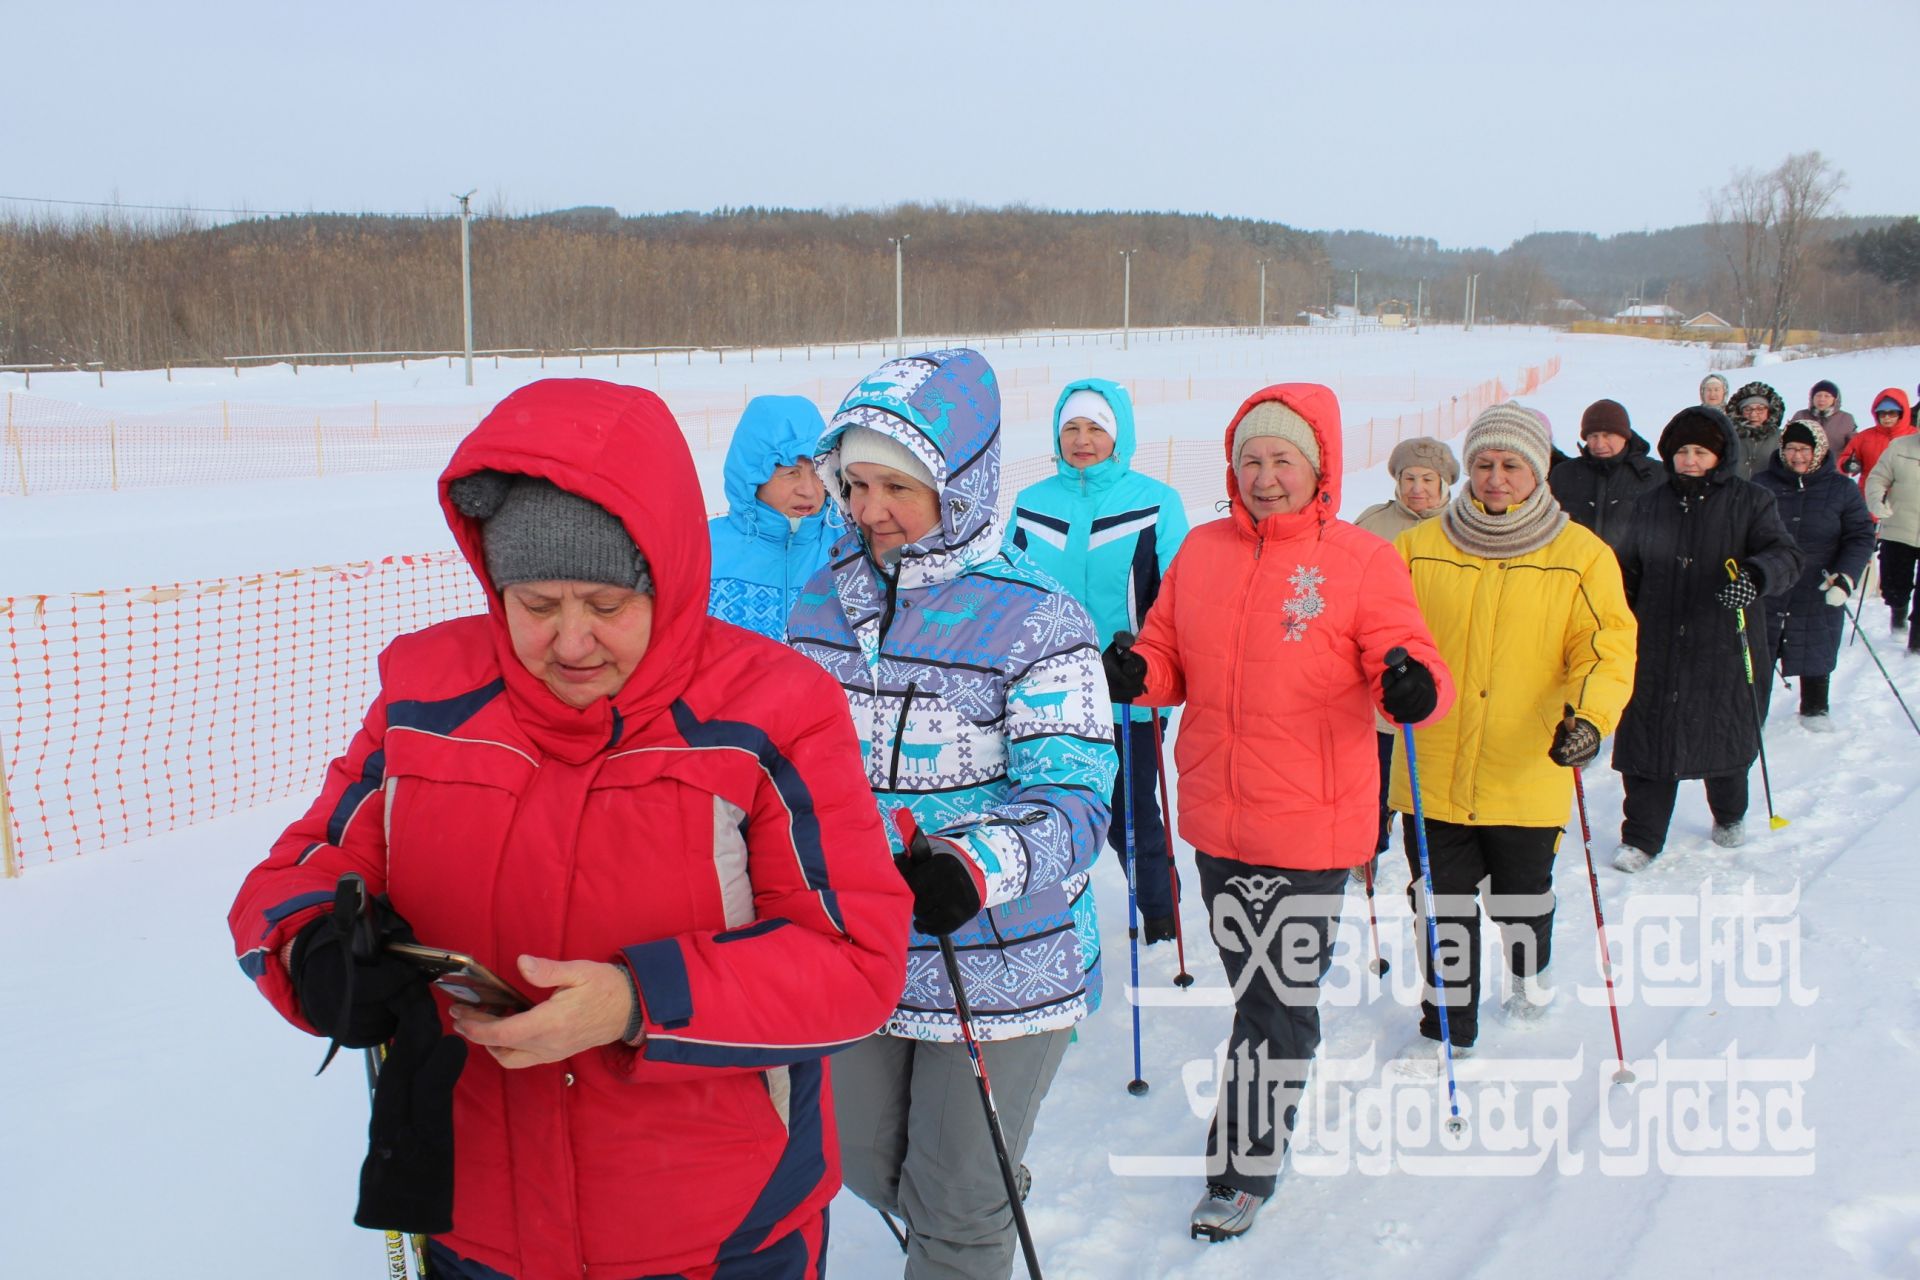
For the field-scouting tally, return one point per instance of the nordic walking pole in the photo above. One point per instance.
(1397, 661)
(1624, 1075)
(1123, 729)
(1860, 605)
(1181, 979)
(1774, 820)
(909, 830)
(1373, 923)
(1891, 686)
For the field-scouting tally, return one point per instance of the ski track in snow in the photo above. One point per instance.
(162, 1121)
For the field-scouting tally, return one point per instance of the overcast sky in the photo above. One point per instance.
(1471, 123)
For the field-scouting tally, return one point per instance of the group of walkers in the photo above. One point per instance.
(789, 822)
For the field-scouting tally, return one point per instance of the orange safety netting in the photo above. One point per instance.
(134, 711)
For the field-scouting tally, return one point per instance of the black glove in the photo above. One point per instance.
(1126, 670)
(1739, 592)
(346, 982)
(406, 1181)
(1575, 743)
(1406, 690)
(944, 895)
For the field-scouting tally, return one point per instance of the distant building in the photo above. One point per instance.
(1708, 320)
(1647, 314)
(1566, 309)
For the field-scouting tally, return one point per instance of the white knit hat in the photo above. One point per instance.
(1272, 418)
(1091, 405)
(1514, 428)
(864, 444)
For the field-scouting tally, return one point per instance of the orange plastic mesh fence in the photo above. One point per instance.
(134, 711)
(50, 446)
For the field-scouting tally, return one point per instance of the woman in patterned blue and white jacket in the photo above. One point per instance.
(981, 706)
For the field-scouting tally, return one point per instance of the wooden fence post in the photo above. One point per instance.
(9, 856)
(19, 456)
(113, 452)
(226, 424)
(319, 451)
(376, 419)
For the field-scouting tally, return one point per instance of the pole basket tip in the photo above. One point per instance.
(1624, 1075)
(1183, 980)
(1137, 1088)
(1776, 822)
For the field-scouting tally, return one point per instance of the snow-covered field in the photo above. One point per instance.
(159, 1120)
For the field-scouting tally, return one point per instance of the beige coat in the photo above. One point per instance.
(1893, 491)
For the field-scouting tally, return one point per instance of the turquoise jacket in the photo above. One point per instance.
(760, 557)
(1106, 533)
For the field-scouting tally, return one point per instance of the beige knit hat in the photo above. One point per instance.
(1423, 451)
(1271, 418)
(1514, 428)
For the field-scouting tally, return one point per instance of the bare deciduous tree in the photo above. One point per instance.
(1762, 224)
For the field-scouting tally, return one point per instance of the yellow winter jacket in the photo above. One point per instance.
(1523, 638)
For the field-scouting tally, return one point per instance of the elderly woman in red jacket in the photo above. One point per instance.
(1273, 626)
(654, 823)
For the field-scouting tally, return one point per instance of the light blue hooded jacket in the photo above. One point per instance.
(1106, 533)
(980, 704)
(761, 559)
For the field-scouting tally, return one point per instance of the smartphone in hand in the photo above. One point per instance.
(464, 979)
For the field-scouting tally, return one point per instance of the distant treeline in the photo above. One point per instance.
(144, 294)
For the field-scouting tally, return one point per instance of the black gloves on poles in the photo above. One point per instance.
(1739, 592)
(944, 895)
(1407, 692)
(1575, 743)
(1126, 670)
(351, 987)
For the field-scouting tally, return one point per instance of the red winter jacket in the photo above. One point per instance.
(709, 823)
(1867, 445)
(1275, 636)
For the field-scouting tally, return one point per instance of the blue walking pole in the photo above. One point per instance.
(1123, 728)
(1397, 661)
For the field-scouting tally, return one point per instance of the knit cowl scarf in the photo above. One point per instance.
(1527, 527)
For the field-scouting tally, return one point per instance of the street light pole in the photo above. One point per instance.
(466, 277)
(1126, 299)
(1263, 297)
(899, 244)
(1356, 304)
(1419, 301)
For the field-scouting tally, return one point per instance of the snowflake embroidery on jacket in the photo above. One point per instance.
(1057, 621)
(1306, 602)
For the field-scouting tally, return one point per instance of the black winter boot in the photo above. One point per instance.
(1913, 637)
(1899, 618)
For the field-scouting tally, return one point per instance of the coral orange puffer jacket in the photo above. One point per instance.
(1275, 636)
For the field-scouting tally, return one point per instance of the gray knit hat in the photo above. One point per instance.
(535, 531)
(1514, 428)
(1713, 377)
(1271, 418)
(1423, 451)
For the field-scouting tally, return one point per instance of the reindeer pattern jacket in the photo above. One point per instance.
(978, 696)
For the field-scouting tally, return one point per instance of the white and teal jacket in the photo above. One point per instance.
(977, 693)
(1106, 533)
(760, 556)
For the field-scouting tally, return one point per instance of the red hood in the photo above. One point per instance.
(620, 447)
(1899, 397)
(1321, 408)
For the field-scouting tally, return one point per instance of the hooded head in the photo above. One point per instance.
(1899, 398)
(1804, 431)
(1108, 405)
(943, 409)
(1711, 379)
(1813, 393)
(1737, 403)
(1300, 412)
(774, 432)
(604, 451)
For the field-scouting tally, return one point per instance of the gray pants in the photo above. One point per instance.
(914, 1143)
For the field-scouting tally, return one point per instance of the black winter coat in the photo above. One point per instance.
(1692, 713)
(1596, 492)
(1828, 519)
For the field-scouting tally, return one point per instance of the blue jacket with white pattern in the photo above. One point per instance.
(1105, 532)
(977, 692)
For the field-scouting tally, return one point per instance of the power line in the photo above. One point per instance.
(176, 208)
